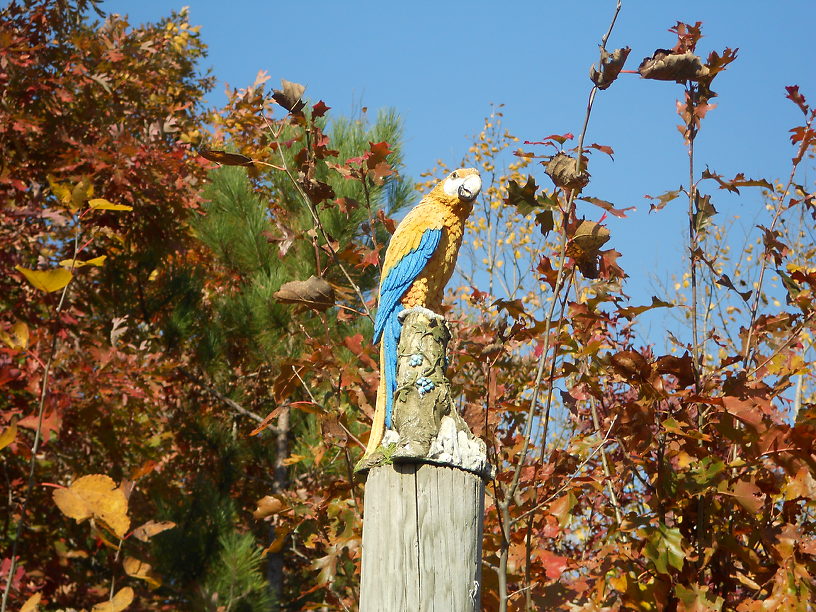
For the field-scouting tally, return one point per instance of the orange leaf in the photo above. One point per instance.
(269, 505)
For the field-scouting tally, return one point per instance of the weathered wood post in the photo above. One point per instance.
(424, 494)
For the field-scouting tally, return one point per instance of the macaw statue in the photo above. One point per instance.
(419, 262)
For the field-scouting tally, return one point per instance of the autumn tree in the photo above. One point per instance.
(188, 379)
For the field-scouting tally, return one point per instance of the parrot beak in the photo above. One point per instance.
(470, 188)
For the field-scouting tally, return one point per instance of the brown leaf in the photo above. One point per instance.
(748, 495)
(667, 66)
(631, 365)
(611, 65)
(314, 293)
(151, 528)
(563, 170)
(663, 199)
(607, 206)
(318, 191)
(95, 496)
(680, 367)
(584, 246)
(224, 158)
(332, 431)
(289, 96)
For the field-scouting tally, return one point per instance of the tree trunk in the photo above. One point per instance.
(422, 539)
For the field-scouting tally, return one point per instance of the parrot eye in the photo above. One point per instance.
(454, 175)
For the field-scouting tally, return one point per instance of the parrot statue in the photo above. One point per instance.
(419, 262)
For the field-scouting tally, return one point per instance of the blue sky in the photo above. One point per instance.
(442, 64)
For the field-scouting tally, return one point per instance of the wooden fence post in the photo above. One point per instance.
(424, 494)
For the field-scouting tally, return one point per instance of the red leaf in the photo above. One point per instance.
(797, 98)
(378, 154)
(319, 109)
(554, 565)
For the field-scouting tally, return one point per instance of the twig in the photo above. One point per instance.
(232, 404)
(607, 471)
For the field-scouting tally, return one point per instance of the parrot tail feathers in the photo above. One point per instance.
(388, 366)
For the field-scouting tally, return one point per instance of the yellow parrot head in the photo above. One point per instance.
(460, 186)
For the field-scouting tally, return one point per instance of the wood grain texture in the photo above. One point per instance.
(422, 539)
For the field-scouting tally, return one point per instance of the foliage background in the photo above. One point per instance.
(645, 472)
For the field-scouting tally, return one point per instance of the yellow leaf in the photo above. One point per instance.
(141, 570)
(78, 263)
(103, 204)
(151, 528)
(60, 190)
(95, 496)
(9, 434)
(20, 338)
(46, 280)
(20, 331)
(277, 544)
(294, 458)
(72, 197)
(120, 601)
(81, 192)
(32, 603)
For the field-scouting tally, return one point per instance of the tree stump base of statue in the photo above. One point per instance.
(427, 428)
(424, 492)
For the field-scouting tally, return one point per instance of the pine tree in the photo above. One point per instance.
(235, 335)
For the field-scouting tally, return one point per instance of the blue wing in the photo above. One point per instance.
(387, 325)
